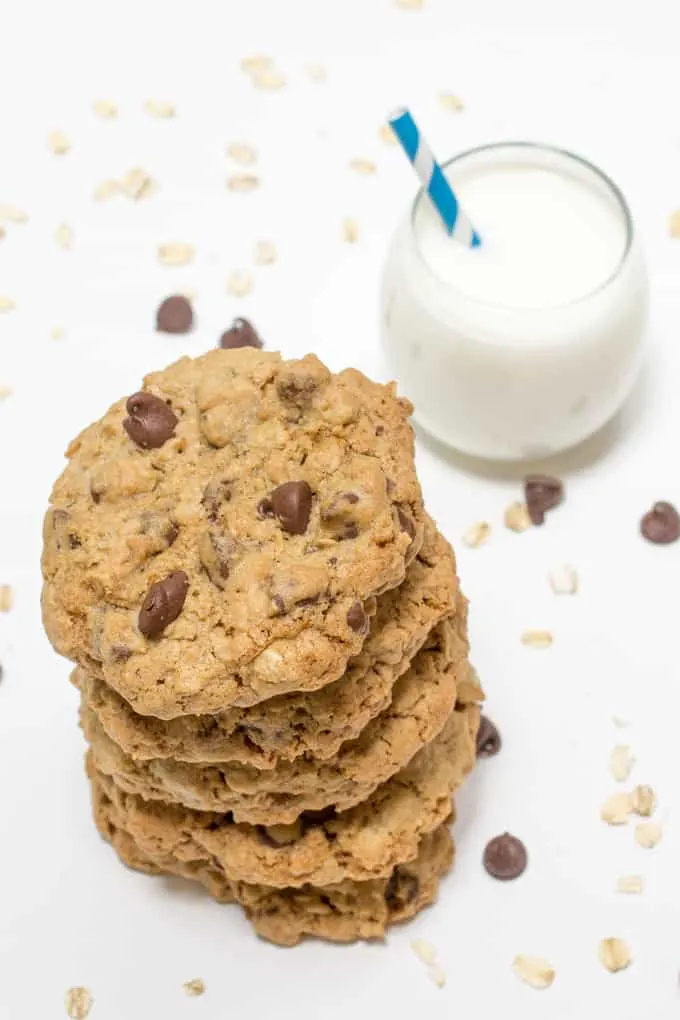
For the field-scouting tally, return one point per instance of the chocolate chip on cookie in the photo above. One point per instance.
(401, 889)
(488, 738)
(292, 504)
(241, 333)
(214, 495)
(338, 516)
(505, 857)
(163, 603)
(217, 553)
(661, 524)
(356, 617)
(150, 421)
(542, 493)
(174, 315)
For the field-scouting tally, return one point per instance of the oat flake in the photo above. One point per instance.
(175, 253)
(58, 333)
(350, 230)
(242, 153)
(451, 102)
(630, 884)
(159, 108)
(410, 5)
(644, 801)
(12, 214)
(563, 580)
(387, 135)
(674, 223)
(614, 955)
(5, 392)
(239, 283)
(425, 951)
(648, 834)
(252, 65)
(105, 109)
(516, 517)
(58, 143)
(106, 190)
(78, 1002)
(63, 236)
(437, 975)
(137, 184)
(243, 182)
(269, 80)
(194, 987)
(477, 534)
(7, 305)
(316, 73)
(533, 971)
(537, 638)
(363, 167)
(265, 253)
(617, 809)
(621, 762)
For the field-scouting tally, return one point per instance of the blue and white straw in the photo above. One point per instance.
(433, 180)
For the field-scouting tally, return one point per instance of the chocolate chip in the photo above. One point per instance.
(241, 333)
(292, 504)
(542, 493)
(401, 889)
(163, 603)
(174, 315)
(406, 524)
(120, 653)
(356, 617)
(214, 494)
(488, 738)
(151, 422)
(505, 857)
(661, 524)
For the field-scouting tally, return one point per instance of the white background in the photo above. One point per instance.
(601, 77)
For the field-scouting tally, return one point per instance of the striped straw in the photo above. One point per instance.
(433, 180)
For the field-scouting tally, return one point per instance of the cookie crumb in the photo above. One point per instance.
(265, 253)
(534, 971)
(477, 534)
(7, 304)
(78, 1002)
(194, 987)
(12, 214)
(537, 638)
(674, 223)
(621, 762)
(239, 282)
(63, 236)
(106, 190)
(105, 109)
(617, 809)
(644, 801)
(137, 184)
(159, 109)
(350, 230)
(58, 143)
(424, 951)
(563, 580)
(241, 153)
(648, 834)
(630, 884)
(363, 167)
(243, 182)
(451, 102)
(516, 517)
(175, 253)
(316, 73)
(614, 955)
(387, 135)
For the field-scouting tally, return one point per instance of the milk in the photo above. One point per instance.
(529, 343)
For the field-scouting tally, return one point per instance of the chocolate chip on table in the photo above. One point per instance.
(174, 315)
(661, 524)
(488, 738)
(356, 617)
(163, 603)
(150, 421)
(241, 333)
(292, 504)
(505, 857)
(542, 493)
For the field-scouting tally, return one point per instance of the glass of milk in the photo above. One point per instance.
(528, 344)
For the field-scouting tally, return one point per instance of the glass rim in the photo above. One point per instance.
(569, 156)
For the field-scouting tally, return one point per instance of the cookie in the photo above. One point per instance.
(423, 700)
(220, 537)
(315, 723)
(342, 912)
(321, 848)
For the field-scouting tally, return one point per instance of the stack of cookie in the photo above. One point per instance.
(270, 641)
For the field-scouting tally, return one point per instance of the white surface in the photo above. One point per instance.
(605, 83)
(550, 237)
(530, 343)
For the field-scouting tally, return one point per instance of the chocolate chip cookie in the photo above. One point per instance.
(342, 912)
(219, 537)
(423, 700)
(321, 848)
(315, 723)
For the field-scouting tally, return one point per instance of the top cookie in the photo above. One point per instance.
(218, 538)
